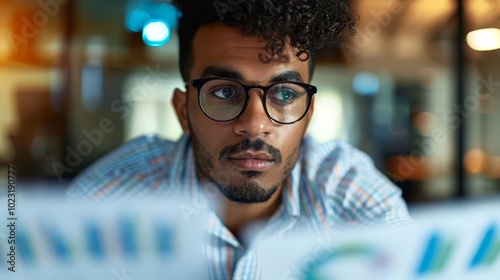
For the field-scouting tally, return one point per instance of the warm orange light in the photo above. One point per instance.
(425, 122)
(493, 169)
(475, 161)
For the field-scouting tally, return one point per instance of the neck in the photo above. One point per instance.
(237, 216)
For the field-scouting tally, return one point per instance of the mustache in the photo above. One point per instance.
(254, 145)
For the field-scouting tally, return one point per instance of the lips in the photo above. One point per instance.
(250, 161)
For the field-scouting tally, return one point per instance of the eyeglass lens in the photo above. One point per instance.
(223, 100)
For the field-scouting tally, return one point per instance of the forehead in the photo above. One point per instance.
(226, 47)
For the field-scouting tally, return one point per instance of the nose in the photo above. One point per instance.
(254, 122)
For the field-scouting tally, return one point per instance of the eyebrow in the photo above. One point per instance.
(224, 72)
(287, 76)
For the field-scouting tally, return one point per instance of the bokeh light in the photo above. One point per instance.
(474, 161)
(365, 83)
(135, 20)
(156, 33)
(486, 39)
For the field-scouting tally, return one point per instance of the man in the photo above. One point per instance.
(245, 111)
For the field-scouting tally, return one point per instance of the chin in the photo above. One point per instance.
(249, 193)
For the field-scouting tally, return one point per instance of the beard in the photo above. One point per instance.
(249, 192)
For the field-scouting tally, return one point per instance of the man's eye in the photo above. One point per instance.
(284, 95)
(225, 93)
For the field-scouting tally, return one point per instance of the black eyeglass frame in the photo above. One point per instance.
(199, 83)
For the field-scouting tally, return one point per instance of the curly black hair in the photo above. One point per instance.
(310, 26)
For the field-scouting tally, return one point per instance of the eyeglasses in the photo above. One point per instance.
(224, 100)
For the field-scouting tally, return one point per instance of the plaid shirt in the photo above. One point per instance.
(332, 185)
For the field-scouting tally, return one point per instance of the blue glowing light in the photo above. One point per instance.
(366, 84)
(156, 33)
(156, 21)
(136, 20)
(166, 12)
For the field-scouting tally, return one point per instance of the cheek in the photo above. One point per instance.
(199, 123)
(289, 144)
(210, 134)
(291, 136)
(193, 108)
(290, 161)
(290, 152)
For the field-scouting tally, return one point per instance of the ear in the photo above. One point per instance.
(179, 100)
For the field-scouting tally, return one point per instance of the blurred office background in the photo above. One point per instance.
(418, 88)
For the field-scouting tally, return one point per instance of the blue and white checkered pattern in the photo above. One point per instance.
(332, 185)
